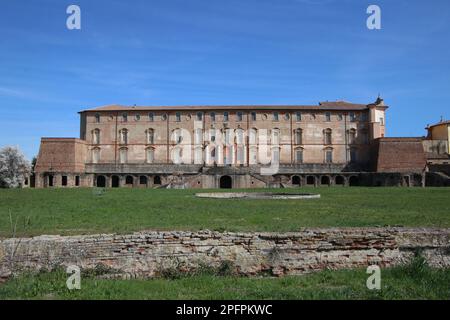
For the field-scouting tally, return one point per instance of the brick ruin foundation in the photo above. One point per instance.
(148, 254)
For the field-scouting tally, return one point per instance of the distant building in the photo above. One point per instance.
(332, 143)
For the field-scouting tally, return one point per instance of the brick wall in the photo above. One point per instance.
(146, 254)
(399, 155)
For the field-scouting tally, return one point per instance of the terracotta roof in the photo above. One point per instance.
(336, 105)
(438, 124)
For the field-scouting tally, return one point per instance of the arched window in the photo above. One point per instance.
(150, 155)
(198, 155)
(212, 116)
(239, 116)
(212, 135)
(123, 135)
(198, 136)
(299, 155)
(123, 155)
(177, 136)
(97, 118)
(239, 136)
(212, 155)
(177, 155)
(96, 155)
(240, 155)
(276, 155)
(124, 117)
(96, 136)
(150, 136)
(352, 136)
(298, 136)
(327, 136)
(276, 136)
(253, 157)
(253, 136)
(228, 136)
(225, 116)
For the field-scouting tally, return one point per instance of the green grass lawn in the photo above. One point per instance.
(81, 211)
(408, 282)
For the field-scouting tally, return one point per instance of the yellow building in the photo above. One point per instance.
(440, 132)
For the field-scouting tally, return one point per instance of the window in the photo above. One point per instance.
(77, 181)
(328, 156)
(143, 180)
(198, 155)
(123, 134)
(95, 155)
(164, 117)
(286, 116)
(178, 117)
(150, 136)
(352, 136)
(298, 116)
(177, 136)
(253, 116)
(225, 116)
(240, 154)
(252, 136)
(239, 116)
(96, 136)
(124, 117)
(299, 156)
(298, 136)
(364, 116)
(177, 155)
(382, 121)
(352, 116)
(340, 117)
(253, 155)
(212, 115)
(327, 136)
(198, 136)
(64, 181)
(276, 136)
(353, 155)
(137, 117)
(151, 116)
(123, 155)
(327, 116)
(240, 136)
(212, 135)
(228, 136)
(275, 155)
(150, 155)
(97, 118)
(199, 116)
(275, 116)
(213, 154)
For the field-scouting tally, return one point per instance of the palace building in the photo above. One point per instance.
(332, 143)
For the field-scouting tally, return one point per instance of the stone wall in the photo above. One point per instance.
(146, 254)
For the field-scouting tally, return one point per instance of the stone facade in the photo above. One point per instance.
(148, 254)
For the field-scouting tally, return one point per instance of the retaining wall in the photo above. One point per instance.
(146, 254)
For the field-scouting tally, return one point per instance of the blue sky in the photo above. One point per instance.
(178, 52)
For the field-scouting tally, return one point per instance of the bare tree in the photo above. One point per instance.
(14, 168)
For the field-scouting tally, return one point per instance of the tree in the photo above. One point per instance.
(14, 168)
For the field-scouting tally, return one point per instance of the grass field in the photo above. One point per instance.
(82, 211)
(415, 281)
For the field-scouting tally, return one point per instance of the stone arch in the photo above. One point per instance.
(157, 180)
(296, 180)
(310, 180)
(100, 182)
(354, 181)
(115, 182)
(129, 180)
(226, 182)
(143, 180)
(325, 181)
(339, 180)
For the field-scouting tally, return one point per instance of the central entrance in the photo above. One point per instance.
(226, 182)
